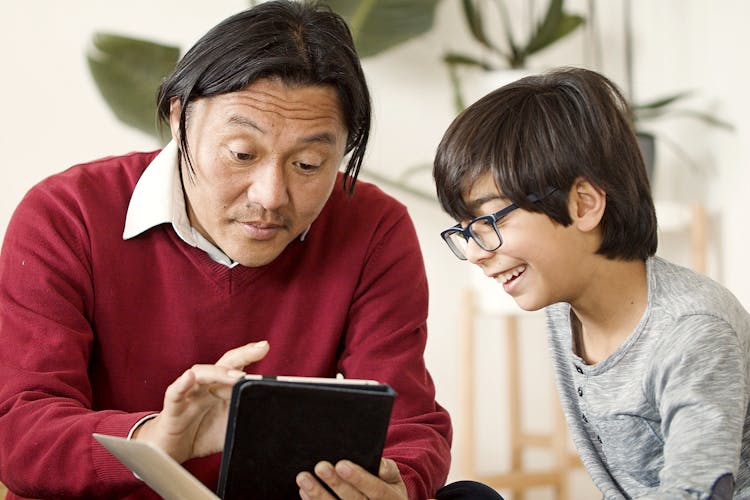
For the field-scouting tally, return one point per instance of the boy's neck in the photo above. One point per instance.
(609, 309)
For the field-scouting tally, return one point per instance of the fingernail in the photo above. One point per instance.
(325, 471)
(236, 373)
(262, 344)
(305, 482)
(344, 469)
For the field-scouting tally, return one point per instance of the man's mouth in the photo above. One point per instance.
(510, 275)
(261, 230)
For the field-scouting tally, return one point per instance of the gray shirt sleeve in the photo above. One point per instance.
(700, 389)
(666, 415)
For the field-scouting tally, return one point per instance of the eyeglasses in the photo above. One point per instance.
(483, 230)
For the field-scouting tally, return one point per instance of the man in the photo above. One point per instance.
(135, 290)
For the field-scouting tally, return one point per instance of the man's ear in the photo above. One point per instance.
(175, 108)
(586, 204)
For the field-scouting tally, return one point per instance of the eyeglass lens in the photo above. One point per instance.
(483, 233)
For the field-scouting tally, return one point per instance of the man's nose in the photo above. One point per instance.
(269, 185)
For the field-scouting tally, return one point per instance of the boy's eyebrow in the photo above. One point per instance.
(474, 205)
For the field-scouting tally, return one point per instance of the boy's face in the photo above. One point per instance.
(535, 263)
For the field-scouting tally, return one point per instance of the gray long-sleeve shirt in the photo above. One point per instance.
(666, 415)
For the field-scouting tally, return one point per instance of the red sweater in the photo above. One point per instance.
(94, 328)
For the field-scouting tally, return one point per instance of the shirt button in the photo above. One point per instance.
(578, 369)
(580, 392)
(584, 418)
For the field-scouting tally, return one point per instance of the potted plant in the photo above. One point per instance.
(513, 53)
(664, 107)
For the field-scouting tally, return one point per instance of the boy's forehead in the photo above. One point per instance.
(482, 191)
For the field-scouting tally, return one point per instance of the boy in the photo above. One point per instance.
(651, 359)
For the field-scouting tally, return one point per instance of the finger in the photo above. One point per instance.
(329, 475)
(215, 374)
(369, 485)
(175, 397)
(389, 471)
(199, 379)
(240, 357)
(310, 488)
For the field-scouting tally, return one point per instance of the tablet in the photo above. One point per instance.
(280, 426)
(157, 469)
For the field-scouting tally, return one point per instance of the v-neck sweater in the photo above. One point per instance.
(94, 328)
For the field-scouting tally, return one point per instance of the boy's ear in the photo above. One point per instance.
(586, 204)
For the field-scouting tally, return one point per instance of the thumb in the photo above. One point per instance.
(388, 471)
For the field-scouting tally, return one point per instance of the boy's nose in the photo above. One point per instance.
(476, 254)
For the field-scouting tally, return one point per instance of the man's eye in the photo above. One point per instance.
(307, 167)
(242, 156)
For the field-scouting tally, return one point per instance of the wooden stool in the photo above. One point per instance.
(517, 479)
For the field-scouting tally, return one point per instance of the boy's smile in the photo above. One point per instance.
(509, 277)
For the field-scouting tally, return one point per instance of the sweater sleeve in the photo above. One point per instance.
(46, 415)
(385, 340)
(701, 392)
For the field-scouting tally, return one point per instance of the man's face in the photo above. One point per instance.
(265, 161)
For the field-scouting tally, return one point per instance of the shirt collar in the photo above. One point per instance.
(158, 198)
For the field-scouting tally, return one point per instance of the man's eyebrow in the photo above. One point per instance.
(324, 137)
(245, 122)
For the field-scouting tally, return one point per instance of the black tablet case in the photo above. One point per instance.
(277, 429)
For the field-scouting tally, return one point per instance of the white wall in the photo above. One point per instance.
(54, 117)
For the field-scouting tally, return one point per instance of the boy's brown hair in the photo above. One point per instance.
(543, 132)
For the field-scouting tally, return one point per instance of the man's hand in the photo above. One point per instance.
(351, 482)
(193, 420)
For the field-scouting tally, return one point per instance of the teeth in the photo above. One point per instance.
(506, 277)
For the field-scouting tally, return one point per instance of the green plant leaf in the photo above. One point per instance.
(661, 102)
(706, 118)
(128, 72)
(662, 107)
(378, 25)
(514, 56)
(457, 59)
(556, 24)
(473, 16)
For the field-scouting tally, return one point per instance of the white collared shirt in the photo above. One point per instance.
(158, 198)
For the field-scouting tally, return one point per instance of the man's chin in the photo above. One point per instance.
(258, 254)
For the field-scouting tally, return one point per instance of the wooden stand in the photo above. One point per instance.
(517, 479)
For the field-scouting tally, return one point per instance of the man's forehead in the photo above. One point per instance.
(267, 106)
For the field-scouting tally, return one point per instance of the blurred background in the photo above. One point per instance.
(677, 61)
